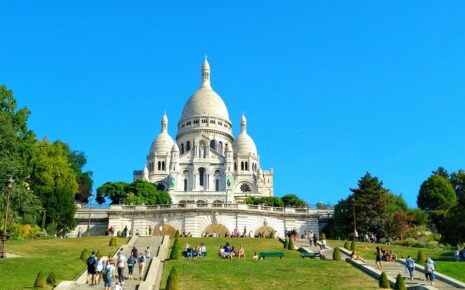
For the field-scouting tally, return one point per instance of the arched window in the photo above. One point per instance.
(220, 147)
(201, 176)
(161, 186)
(188, 145)
(217, 185)
(235, 166)
(159, 165)
(213, 144)
(246, 165)
(242, 165)
(185, 184)
(163, 166)
(182, 148)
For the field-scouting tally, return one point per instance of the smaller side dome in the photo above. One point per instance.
(163, 143)
(244, 144)
(175, 148)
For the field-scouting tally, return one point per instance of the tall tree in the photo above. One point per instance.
(54, 182)
(292, 200)
(113, 190)
(458, 183)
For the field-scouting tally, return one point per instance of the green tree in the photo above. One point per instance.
(383, 281)
(40, 281)
(453, 231)
(400, 283)
(322, 205)
(437, 197)
(292, 200)
(175, 250)
(145, 192)
(172, 282)
(54, 182)
(113, 190)
(457, 180)
(337, 254)
(77, 161)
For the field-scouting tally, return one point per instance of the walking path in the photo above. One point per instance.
(141, 243)
(304, 244)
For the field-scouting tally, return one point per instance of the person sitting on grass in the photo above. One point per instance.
(188, 250)
(322, 253)
(227, 251)
(203, 250)
(241, 253)
(255, 256)
(221, 252)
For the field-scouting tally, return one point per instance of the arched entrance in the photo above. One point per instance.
(216, 230)
(264, 232)
(166, 229)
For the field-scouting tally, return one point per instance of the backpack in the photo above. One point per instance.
(141, 259)
(91, 263)
(107, 271)
(131, 261)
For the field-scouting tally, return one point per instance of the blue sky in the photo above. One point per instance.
(331, 89)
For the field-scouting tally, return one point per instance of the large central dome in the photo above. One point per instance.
(205, 102)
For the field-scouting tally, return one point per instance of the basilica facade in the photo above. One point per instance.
(206, 163)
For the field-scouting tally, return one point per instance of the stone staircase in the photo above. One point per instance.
(141, 243)
(303, 245)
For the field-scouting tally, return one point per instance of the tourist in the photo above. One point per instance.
(315, 240)
(79, 232)
(322, 253)
(91, 269)
(221, 252)
(410, 266)
(108, 271)
(323, 243)
(462, 255)
(457, 254)
(255, 256)
(131, 264)
(429, 270)
(310, 239)
(120, 252)
(188, 251)
(379, 258)
(203, 250)
(356, 257)
(148, 253)
(134, 252)
(125, 231)
(141, 263)
(241, 253)
(98, 270)
(120, 264)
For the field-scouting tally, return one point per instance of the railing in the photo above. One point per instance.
(322, 214)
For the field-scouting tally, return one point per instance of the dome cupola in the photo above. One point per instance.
(244, 144)
(163, 143)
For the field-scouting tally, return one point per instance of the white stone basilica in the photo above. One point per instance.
(206, 164)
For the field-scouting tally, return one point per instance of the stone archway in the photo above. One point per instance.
(166, 229)
(216, 230)
(264, 232)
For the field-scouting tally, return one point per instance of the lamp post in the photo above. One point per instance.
(10, 185)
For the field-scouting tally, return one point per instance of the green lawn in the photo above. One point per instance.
(291, 272)
(59, 255)
(442, 256)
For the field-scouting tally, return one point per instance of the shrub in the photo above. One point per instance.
(353, 246)
(286, 243)
(271, 234)
(421, 256)
(51, 279)
(177, 235)
(98, 254)
(400, 283)
(336, 254)
(175, 249)
(291, 245)
(323, 236)
(172, 283)
(346, 245)
(40, 281)
(84, 254)
(383, 281)
(112, 242)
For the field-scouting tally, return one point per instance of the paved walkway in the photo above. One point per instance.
(141, 244)
(394, 268)
(304, 243)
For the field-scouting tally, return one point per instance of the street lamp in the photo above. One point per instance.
(10, 185)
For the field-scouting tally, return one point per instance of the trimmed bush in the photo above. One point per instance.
(383, 281)
(323, 236)
(98, 254)
(400, 283)
(272, 235)
(175, 250)
(291, 245)
(336, 254)
(421, 256)
(112, 242)
(40, 281)
(177, 235)
(51, 279)
(286, 243)
(346, 245)
(172, 283)
(85, 254)
(353, 246)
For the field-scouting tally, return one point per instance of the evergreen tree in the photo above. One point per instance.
(421, 257)
(337, 254)
(384, 281)
(175, 250)
(172, 283)
(291, 245)
(346, 245)
(353, 246)
(40, 281)
(286, 243)
(400, 283)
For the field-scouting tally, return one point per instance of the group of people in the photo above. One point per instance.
(428, 269)
(194, 252)
(384, 255)
(101, 269)
(459, 255)
(228, 252)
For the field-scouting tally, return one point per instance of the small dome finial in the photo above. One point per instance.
(243, 123)
(164, 123)
(205, 73)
